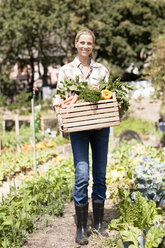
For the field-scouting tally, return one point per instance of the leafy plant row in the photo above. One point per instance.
(142, 223)
(43, 195)
(14, 163)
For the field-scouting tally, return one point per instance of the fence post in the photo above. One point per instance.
(17, 124)
(42, 124)
(3, 126)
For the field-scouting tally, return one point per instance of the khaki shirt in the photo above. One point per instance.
(75, 68)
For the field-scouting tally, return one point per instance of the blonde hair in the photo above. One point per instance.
(85, 31)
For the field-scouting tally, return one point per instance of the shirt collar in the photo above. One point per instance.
(78, 63)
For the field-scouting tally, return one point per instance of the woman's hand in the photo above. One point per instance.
(57, 102)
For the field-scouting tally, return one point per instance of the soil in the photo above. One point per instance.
(61, 231)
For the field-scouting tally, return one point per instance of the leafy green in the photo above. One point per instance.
(90, 95)
(121, 89)
(154, 237)
(68, 86)
(136, 218)
(131, 234)
(141, 214)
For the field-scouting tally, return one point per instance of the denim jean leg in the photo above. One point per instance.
(99, 144)
(80, 148)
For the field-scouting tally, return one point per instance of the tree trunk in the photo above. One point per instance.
(31, 81)
(45, 76)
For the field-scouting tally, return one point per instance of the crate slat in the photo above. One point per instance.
(97, 126)
(90, 122)
(91, 106)
(89, 112)
(89, 103)
(89, 117)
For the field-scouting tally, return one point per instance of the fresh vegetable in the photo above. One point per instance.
(90, 95)
(121, 89)
(69, 86)
(94, 88)
(82, 90)
(140, 221)
(68, 100)
(106, 94)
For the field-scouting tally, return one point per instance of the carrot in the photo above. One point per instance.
(68, 100)
(74, 100)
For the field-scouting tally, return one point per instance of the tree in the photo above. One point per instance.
(28, 33)
(125, 30)
(155, 68)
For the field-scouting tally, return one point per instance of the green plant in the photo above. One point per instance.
(2, 100)
(22, 102)
(121, 89)
(44, 195)
(139, 219)
(113, 242)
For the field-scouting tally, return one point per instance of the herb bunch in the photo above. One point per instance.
(90, 95)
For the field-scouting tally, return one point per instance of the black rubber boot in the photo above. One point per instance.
(81, 222)
(98, 215)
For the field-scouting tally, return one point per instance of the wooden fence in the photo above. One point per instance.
(18, 118)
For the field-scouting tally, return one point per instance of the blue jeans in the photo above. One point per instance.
(80, 141)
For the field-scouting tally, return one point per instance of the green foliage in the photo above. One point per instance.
(13, 163)
(68, 86)
(11, 140)
(43, 195)
(2, 100)
(139, 219)
(156, 67)
(123, 30)
(113, 242)
(136, 124)
(131, 235)
(90, 95)
(22, 102)
(141, 214)
(61, 140)
(121, 89)
(154, 237)
(29, 28)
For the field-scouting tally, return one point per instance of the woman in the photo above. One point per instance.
(87, 70)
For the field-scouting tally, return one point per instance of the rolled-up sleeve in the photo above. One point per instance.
(61, 78)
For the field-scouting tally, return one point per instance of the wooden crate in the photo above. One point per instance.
(87, 116)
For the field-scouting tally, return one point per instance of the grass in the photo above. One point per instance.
(138, 125)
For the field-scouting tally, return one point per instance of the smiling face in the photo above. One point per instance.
(84, 45)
